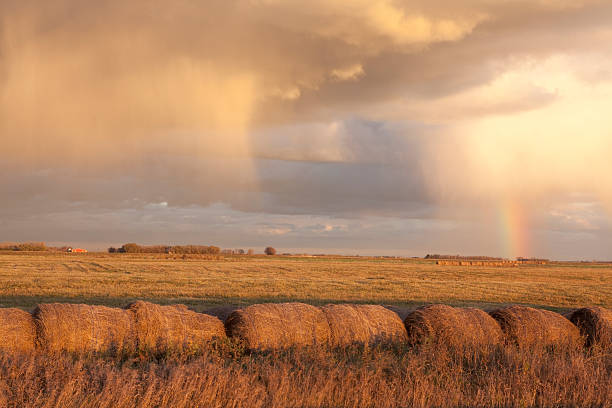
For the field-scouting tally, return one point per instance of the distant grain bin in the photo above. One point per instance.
(272, 326)
(528, 327)
(595, 324)
(451, 326)
(173, 328)
(366, 324)
(17, 331)
(83, 328)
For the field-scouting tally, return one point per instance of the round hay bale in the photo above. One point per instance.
(366, 324)
(163, 328)
(17, 331)
(272, 326)
(595, 324)
(83, 328)
(526, 326)
(451, 326)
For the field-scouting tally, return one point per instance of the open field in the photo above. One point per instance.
(436, 374)
(117, 279)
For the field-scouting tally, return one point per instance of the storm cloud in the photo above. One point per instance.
(386, 125)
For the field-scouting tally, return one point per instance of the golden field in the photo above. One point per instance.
(117, 279)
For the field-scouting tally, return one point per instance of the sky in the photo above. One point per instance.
(389, 127)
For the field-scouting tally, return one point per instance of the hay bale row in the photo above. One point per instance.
(456, 327)
(476, 263)
(147, 326)
(366, 324)
(528, 327)
(595, 325)
(17, 331)
(175, 327)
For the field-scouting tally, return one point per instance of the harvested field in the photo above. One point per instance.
(273, 326)
(396, 375)
(175, 327)
(595, 324)
(365, 324)
(17, 331)
(116, 279)
(526, 327)
(454, 327)
(83, 328)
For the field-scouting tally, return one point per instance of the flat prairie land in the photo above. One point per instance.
(204, 284)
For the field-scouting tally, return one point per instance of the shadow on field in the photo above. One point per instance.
(223, 307)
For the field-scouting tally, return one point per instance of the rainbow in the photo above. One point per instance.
(513, 227)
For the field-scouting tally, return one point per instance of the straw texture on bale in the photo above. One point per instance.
(17, 331)
(595, 324)
(83, 328)
(272, 326)
(451, 326)
(526, 326)
(366, 324)
(162, 328)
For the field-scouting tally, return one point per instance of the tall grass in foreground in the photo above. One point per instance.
(386, 376)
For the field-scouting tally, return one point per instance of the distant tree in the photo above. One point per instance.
(131, 248)
(31, 246)
(112, 250)
(270, 251)
(240, 251)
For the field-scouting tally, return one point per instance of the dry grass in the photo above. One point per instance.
(163, 328)
(456, 327)
(17, 331)
(595, 323)
(349, 378)
(529, 327)
(83, 328)
(117, 279)
(365, 324)
(272, 326)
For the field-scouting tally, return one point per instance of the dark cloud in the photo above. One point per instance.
(353, 124)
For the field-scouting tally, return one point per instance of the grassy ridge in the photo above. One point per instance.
(116, 279)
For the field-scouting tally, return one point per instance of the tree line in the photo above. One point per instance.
(133, 248)
(24, 246)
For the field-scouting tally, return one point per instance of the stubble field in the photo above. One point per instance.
(115, 280)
